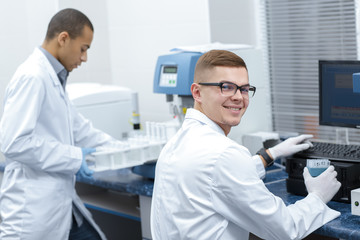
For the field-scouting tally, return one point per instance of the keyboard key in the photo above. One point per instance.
(332, 151)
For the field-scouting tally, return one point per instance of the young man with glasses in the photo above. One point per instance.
(209, 187)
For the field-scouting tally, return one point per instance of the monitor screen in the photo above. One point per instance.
(339, 105)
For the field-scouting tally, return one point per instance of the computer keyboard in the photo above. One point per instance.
(332, 151)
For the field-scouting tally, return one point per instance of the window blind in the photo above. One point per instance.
(296, 35)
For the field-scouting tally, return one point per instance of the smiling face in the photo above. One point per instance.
(74, 51)
(226, 111)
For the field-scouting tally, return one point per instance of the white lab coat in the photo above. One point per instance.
(208, 187)
(41, 134)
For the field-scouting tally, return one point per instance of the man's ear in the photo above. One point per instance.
(62, 38)
(195, 91)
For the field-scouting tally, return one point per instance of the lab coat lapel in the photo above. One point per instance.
(57, 85)
(56, 82)
(53, 76)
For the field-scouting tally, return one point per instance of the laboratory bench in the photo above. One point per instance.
(344, 227)
(120, 196)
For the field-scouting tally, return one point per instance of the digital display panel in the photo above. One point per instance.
(170, 69)
(339, 105)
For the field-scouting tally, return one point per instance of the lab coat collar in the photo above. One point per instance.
(192, 113)
(55, 79)
(59, 69)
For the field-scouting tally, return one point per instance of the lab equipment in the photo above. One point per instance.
(332, 151)
(317, 166)
(109, 107)
(348, 176)
(137, 149)
(174, 74)
(355, 202)
(135, 120)
(133, 155)
(114, 110)
(339, 104)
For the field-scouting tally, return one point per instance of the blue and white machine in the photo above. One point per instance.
(174, 73)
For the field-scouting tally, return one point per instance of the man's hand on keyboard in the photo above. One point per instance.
(291, 146)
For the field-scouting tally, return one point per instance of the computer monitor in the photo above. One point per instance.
(339, 105)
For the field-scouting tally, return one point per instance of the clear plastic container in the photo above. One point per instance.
(110, 159)
(136, 150)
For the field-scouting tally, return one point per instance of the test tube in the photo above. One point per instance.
(153, 130)
(162, 131)
(147, 125)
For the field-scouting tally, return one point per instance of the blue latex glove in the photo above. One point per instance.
(84, 171)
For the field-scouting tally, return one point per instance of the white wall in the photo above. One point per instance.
(98, 66)
(140, 31)
(128, 38)
(22, 28)
(233, 21)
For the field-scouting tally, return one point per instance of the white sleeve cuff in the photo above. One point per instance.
(259, 166)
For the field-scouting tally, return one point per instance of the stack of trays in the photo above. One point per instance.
(132, 155)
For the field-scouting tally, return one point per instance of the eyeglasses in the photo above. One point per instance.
(230, 89)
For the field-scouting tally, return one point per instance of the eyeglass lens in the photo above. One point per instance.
(230, 89)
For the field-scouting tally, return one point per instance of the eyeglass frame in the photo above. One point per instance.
(220, 84)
